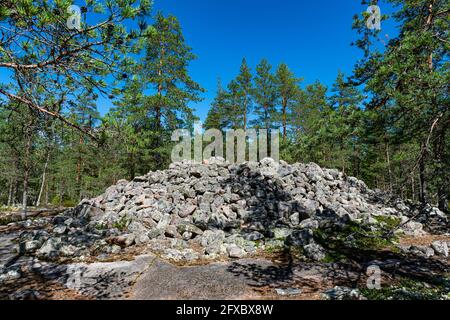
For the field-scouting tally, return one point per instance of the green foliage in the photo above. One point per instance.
(357, 236)
(122, 223)
(410, 289)
(388, 222)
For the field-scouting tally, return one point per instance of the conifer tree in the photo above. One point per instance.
(288, 91)
(265, 96)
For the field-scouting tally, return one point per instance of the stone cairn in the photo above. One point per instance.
(214, 209)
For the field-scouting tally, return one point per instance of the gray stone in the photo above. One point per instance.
(422, 251)
(301, 237)
(235, 252)
(295, 219)
(32, 245)
(281, 233)
(314, 252)
(187, 235)
(182, 228)
(60, 230)
(50, 248)
(115, 249)
(214, 248)
(187, 211)
(254, 236)
(288, 291)
(10, 275)
(413, 228)
(155, 233)
(309, 224)
(68, 250)
(440, 247)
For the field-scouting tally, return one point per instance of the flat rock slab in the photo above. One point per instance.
(236, 280)
(164, 281)
(106, 280)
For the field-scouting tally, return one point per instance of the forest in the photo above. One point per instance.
(387, 123)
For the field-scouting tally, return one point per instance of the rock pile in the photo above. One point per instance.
(196, 211)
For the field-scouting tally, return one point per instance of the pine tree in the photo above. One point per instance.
(218, 117)
(241, 91)
(288, 91)
(408, 84)
(265, 96)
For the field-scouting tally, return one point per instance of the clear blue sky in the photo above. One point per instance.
(312, 36)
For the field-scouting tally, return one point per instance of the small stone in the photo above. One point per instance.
(235, 252)
(10, 275)
(186, 211)
(295, 219)
(309, 224)
(288, 292)
(32, 245)
(187, 236)
(440, 247)
(68, 250)
(142, 239)
(254, 236)
(343, 293)
(60, 230)
(281, 233)
(301, 237)
(314, 252)
(182, 228)
(115, 249)
(50, 248)
(155, 233)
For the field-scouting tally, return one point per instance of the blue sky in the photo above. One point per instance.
(312, 37)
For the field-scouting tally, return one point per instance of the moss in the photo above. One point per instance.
(355, 235)
(332, 256)
(274, 246)
(409, 289)
(388, 222)
(122, 224)
(101, 226)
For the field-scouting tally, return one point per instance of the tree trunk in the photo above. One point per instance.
(388, 161)
(245, 114)
(284, 119)
(10, 193)
(423, 180)
(46, 194)
(44, 179)
(26, 171)
(79, 168)
(14, 192)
